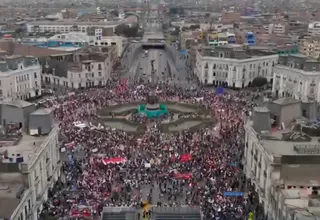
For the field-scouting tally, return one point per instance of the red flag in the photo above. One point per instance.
(185, 157)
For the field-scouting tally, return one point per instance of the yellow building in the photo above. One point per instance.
(310, 46)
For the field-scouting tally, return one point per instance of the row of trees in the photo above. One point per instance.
(128, 31)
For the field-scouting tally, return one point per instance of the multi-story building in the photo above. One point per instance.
(99, 40)
(217, 39)
(20, 77)
(314, 28)
(87, 67)
(297, 76)
(282, 165)
(66, 26)
(310, 46)
(277, 28)
(233, 66)
(220, 39)
(75, 40)
(230, 17)
(29, 166)
(250, 38)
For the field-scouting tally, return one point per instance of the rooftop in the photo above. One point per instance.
(28, 147)
(11, 63)
(234, 52)
(11, 188)
(74, 22)
(26, 50)
(300, 62)
(302, 203)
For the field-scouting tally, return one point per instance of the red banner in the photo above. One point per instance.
(185, 176)
(185, 157)
(115, 160)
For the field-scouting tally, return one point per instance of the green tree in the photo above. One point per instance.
(259, 81)
(127, 31)
(194, 26)
(114, 13)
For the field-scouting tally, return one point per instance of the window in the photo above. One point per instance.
(25, 211)
(99, 66)
(79, 85)
(35, 75)
(214, 73)
(99, 73)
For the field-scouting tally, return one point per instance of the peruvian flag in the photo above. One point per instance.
(115, 160)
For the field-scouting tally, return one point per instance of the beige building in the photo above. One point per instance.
(310, 46)
(277, 28)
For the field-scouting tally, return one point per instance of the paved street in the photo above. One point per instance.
(137, 63)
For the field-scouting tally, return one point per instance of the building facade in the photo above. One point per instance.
(87, 67)
(231, 66)
(297, 76)
(310, 46)
(230, 17)
(43, 171)
(66, 26)
(284, 173)
(119, 42)
(20, 77)
(277, 28)
(314, 28)
(30, 162)
(250, 38)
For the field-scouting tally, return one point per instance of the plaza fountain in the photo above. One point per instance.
(119, 116)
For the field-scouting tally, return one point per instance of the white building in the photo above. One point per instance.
(88, 67)
(297, 76)
(314, 28)
(277, 28)
(66, 26)
(20, 77)
(27, 189)
(277, 168)
(233, 66)
(81, 39)
(100, 40)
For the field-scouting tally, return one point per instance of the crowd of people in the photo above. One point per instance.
(110, 167)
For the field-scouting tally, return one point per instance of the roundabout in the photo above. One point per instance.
(170, 116)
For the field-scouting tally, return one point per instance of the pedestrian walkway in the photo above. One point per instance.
(155, 194)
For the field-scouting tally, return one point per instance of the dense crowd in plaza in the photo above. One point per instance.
(190, 168)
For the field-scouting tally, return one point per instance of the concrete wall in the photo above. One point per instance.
(12, 114)
(44, 122)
